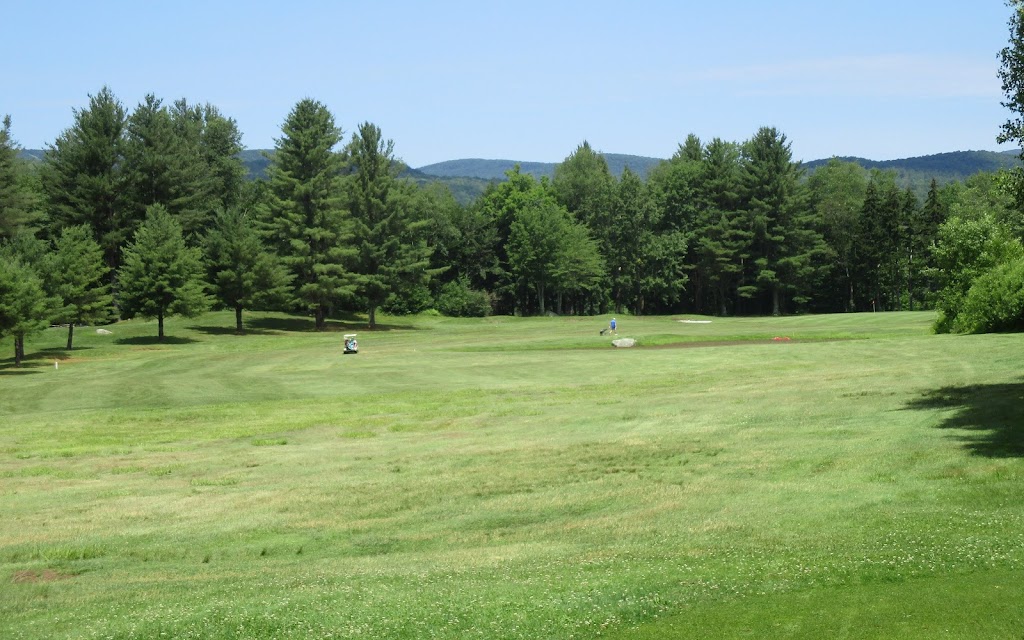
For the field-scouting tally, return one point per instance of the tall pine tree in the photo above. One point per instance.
(161, 276)
(18, 205)
(391, 249)
(242, 273)
(785, 243)
(163, 164)
(78, 277)
(306, 219)
(83, 176)
(25, 307)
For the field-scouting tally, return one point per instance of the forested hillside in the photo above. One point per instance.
(468, 178)
(495, 169)
(918, 172)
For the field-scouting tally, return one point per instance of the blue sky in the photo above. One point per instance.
(530, 80)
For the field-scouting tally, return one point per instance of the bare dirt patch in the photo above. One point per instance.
(708, 343)
(733, 343)
(30, 576)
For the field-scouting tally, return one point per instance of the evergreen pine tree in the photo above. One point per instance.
(160, 275)
(391, 248)
(306, 220)
(242, 273)
(18, 207)
(163, 164)
(83, 176)
(721, 241)
(25, 308)
(78, 278)
(784, 242)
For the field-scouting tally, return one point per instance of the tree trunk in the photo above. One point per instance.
(899, 288)
(71, 334)
(160, 324)
(238, 319)
(540, 296)
(775, 300)
(910, 281)
(320, 318)
(698, 291)
(373, 316)
(852, 304)
(17, 351)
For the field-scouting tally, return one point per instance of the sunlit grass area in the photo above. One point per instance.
(845, 476)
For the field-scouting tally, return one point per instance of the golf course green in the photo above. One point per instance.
(840, 476)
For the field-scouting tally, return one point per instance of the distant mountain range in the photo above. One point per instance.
(468, 178)
(495, 169)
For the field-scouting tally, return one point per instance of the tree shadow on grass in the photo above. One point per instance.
(298, 323)
(33, 362)
(154, 340)
(993, 414)
(230, 331)
(7, 368)
(61, 352)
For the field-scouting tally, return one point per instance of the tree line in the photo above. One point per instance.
(150, 214)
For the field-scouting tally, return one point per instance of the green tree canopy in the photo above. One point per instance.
(584, 186)
(968, 247)
(784, 240)
(78, 277)
(241, 271)
(720, 240)
(390, 240)
(164, 165)
(837, 195)
(306, 219)
(25, 307)
(83, 178)
(536, 242)
(645, 263)
(18, 202)
(161, 275)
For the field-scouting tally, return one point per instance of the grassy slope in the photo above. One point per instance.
(514, 478)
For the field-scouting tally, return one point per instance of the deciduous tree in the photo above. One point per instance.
(535, 247)
(837, 195)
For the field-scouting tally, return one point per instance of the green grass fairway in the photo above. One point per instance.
(845, 476)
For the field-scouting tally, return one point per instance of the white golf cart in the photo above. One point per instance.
(351, 345)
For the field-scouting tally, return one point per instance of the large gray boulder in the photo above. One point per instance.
(624, 342)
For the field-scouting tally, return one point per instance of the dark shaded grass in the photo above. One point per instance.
(991, 414)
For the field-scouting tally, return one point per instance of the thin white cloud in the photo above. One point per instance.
(880, 76)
